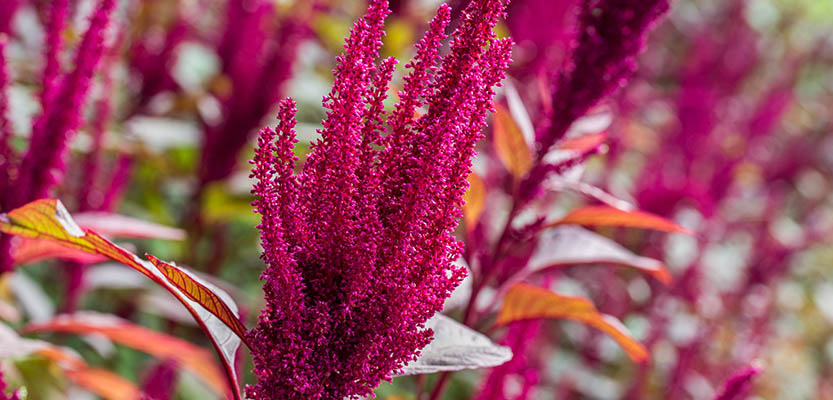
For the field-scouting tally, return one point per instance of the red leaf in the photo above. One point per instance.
(48, 219)
(27, 251)
(610, 216)
(526, 302)
(510, 144)
(196, 359)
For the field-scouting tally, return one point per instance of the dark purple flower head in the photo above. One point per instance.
(359, 246)
(610, 34)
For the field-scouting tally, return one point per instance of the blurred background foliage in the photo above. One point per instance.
(783, 315)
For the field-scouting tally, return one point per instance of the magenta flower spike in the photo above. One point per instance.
(8, 8)
(359, 245)
(63, 99)
(609, 35)
(43, 163)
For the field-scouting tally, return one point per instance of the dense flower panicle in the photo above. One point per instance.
(160, 381)
(520, 337)
(58, 12)
(63, 99)
(7, 154)
(738, 386)
(359, 246)
(8, 8)
(257, 52)
(43, 163)
(610, 34)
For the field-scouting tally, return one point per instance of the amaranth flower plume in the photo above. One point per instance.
(359, 245)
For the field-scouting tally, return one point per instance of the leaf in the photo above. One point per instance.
(26, 251)
(510, 145)
(526, 302)
(571, 245)
(583, 144)
(213, 309)
(99, 381)
(610, 216)
(194, 358)
(115, 225)
(475, 200)
(455, 347)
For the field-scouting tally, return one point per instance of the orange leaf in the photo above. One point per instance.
(194, 358)
(475, 200)
(99, 381)
(610, 216)
(198, 292)
(27, 251)
(48, 219)
(526, 302)
(583, 144)
(510, 144)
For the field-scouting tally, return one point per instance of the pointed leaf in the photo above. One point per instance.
(475, 200)
(98, 381)
(572, 245)
(455, 347)
(26, 251)
(610, 216)
(194, 358)
(526, 302)
(115, 225)
(583, 144)
(49, 219)
(510, 145)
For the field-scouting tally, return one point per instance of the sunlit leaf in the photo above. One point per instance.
(191, 357)
(475, 200)
(526, 302)
(120, 226)
(213, 309)
(510, 145)
(455, 347)
(610, 216)
(99, 381)
(572, 245)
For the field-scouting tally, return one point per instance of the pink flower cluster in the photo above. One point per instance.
(63, 97)
(359, 245)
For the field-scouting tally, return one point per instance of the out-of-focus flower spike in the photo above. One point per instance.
(160, 381)
(122, 171)
(424, 64)
(43, 164)
(739, 384)
(7, 153)
(3, 395)
(610, 34)
(8, 9)
(58, 11)
(90, 195)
